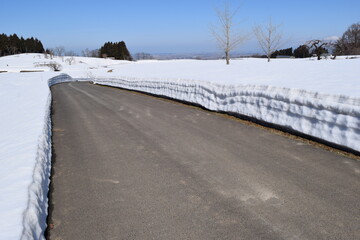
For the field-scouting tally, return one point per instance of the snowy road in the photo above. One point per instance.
(130, 166)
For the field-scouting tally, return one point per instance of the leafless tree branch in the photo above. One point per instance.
(268, 37)
(225, 35)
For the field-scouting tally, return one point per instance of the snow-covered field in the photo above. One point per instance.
(318, 98)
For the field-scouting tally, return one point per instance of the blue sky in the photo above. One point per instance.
(169, 26)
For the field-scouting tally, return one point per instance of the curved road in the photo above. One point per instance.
(132, 166)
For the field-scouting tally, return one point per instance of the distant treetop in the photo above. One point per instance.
(349, 43)
(10, 45)
(116, 50)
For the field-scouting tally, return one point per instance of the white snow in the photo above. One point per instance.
(25, 154)
(24, 104)
(318, 98)
(340, 77)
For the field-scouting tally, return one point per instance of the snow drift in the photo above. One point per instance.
(25, 153)
(35, 214)
(332, 118)
(60, 79)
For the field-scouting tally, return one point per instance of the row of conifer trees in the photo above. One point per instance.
(116, 50)
(12, 44)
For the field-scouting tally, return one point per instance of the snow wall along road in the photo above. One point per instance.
(329, 118)
(35, 214)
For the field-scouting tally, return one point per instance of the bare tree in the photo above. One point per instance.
(318, 47)
(91, 53)
(95, 53)
(70, 60)
(225, 34)
(268, 37)
(56, 67)
(59, 51)
(86, 52)
(70, 53)
(50, 52)
(349, 43)
(143, 56)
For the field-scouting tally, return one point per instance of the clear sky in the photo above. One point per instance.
(169, 26)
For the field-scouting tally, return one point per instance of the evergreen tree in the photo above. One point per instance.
(282, 52)
(116, 50)
(3, 41)
(12, 44)
(302, 52)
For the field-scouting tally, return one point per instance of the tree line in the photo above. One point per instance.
(269, 37)
(115, 50)
(228, 38)
(348, 44)
(12, 44)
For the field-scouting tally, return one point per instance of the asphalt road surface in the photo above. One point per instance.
(132, 166)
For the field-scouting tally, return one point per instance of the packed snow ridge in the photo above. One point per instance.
(335, 119)
(35, 214)
(25, 153)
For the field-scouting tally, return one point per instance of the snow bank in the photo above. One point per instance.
(25, 153)
(60, 79)
(333, 118)
(337, 77)
(34, 217)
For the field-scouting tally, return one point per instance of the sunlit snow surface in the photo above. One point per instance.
(319, 98)
(24, 153)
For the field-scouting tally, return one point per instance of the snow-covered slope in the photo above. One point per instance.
(80, 67)
(318, 98)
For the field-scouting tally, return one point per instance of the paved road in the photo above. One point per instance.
(131, 166)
